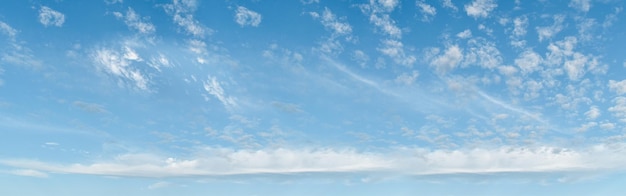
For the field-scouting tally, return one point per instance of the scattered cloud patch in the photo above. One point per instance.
(581, 5)
(136, 22)
(528, 61)
(548, 32)
(618, 87)
(8, 30)
(50, 17)
(449, 60)
(246, 17)
(182, 14)
(464, 34)
(428, 11)
(593, 113)
(480, 8)
(338, 26)
(448, 4)
(119, 64)
(407, 78)
(395, 50)
(113, 1)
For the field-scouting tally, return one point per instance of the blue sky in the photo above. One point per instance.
(312, 97)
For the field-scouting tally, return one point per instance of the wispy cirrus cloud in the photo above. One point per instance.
(136, 22)
(182, 14)
(119, 64)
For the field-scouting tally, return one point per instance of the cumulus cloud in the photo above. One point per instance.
(593, 113)
(548, 32)
(482, 53)
(528, 61)
(136, 22)
(464, 34)
(582, 5)
(395, 50)
(449, 60)
(50, 17)
(619, 109)
(480, 8)
(428, 11)
(618, 87)
(246, 17)
(378, 12)
(449, 4)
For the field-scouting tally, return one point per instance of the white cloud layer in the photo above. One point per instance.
(404, 161)
(50, 17)
(246, 17)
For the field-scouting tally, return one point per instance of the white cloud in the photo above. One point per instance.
(90, 107)
(213, 87)
(593, 113)
(407, 78)
(378, 12)
(136, 22)
(528, 61)
(388, 4)
(113, 1)
(309, 1)
(464, 34)
(181, 11)
(402, 161)
(619, 109)
(519, 26)
(582, 5)
(158, 185)
(50, 17)
(386, 25)
(480, 8)
(550, 31)
(8, 30)
(360, 57)
(482, 53)
(246, 17)
(618, 87)
(449, 60)
(331, 22)
(29, 173)
(575, 67)
(119, 64)
(428, 11)
(395, 50)
(449, 4)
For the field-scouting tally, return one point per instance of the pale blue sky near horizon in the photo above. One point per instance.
(312, 97)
